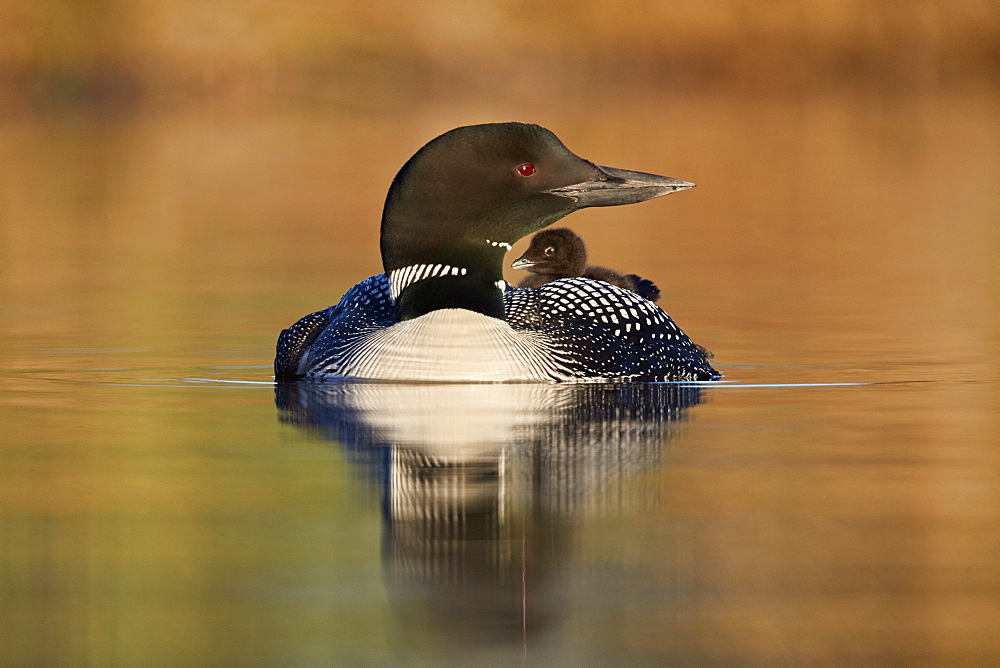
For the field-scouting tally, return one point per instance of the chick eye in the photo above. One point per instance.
(526, 169)
(550, 251)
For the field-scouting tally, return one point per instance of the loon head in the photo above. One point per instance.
(556, 252)
(459, 203)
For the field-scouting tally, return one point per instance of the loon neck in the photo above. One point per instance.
(467, 278)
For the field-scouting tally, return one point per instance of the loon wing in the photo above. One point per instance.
(364, 308)
(600, 330)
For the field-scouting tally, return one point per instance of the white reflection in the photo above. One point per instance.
(480, 485)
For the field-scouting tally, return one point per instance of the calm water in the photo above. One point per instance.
(836, 499)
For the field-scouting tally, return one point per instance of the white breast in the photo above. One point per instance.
(447, 345)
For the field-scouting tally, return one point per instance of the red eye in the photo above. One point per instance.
(527, 169)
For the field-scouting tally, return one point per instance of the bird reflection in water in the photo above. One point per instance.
(481, 486)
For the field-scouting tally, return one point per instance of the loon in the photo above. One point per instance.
(560, 253)
(441, 310)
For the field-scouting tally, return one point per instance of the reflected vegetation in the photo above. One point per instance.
(481, 486)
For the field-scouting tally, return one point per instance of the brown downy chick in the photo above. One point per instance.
(561, 253)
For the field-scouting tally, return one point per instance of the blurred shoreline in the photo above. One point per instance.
(109, 59)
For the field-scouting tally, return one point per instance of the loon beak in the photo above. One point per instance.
(611, 187)
(522, 263)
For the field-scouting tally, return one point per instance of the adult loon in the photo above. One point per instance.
(442, 311)
(560, 253)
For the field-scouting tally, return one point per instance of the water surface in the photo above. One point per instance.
(835, 500)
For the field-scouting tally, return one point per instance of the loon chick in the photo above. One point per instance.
(441, 310)
(561, 253)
